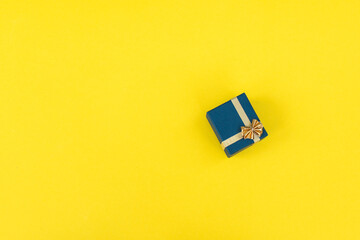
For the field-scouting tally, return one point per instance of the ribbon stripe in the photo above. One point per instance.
(240, 111)
(231, 140)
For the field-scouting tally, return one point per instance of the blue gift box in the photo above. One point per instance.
(236, 125)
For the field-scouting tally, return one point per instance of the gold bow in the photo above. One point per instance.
(255, 128)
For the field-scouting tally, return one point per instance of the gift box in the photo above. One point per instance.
(236, 125)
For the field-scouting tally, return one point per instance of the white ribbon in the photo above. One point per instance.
(244, 119)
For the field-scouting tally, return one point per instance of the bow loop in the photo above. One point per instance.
(255, 128)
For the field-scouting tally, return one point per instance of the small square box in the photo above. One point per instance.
(236, 125)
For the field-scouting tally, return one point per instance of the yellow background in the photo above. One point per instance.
(103, 132)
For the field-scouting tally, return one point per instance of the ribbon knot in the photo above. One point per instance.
(255, 128)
